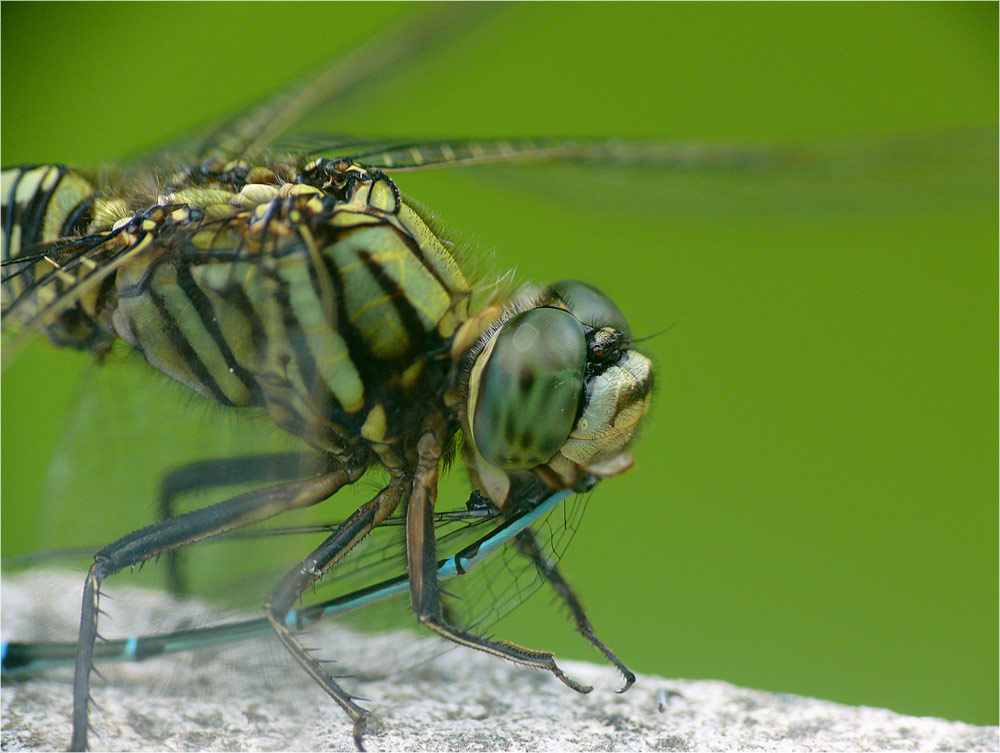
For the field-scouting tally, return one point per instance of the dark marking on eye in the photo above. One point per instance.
(525, 380)
(509, 432)
(495, 416)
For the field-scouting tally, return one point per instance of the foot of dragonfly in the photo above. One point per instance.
(85, 652)
(569, 681)
(527, 544)
(360, 727)
(629, 678)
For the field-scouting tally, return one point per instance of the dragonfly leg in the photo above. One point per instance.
(219, 472)
(422, 565)
(311, 569)
(165, 535)
(527, 544)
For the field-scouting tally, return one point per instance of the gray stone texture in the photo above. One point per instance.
(249, 697)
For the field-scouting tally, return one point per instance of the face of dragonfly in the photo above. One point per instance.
(555, 388)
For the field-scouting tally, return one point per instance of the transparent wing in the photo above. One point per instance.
(256, 129)
(131, 427)
(477, 599)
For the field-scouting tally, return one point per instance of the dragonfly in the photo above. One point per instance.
(357, 178)
(309, 288)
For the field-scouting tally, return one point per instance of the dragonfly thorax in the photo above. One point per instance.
(317, 292)
(328, 305)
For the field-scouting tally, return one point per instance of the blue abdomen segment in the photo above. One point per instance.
(19, 659)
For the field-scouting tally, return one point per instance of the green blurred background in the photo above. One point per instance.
(814, 503)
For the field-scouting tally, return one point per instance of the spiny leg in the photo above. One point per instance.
(422, 565)
(311, 569)
(527, 544)
(165, 535)
(219, 472)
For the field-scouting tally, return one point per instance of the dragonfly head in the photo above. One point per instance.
(555, 390)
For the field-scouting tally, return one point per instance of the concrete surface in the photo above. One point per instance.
(248, 697)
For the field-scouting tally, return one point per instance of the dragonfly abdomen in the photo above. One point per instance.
(42, 205)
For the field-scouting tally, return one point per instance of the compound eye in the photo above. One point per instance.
(591, 306)
(530, 389)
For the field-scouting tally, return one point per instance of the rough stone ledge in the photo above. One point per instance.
(247, 697)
